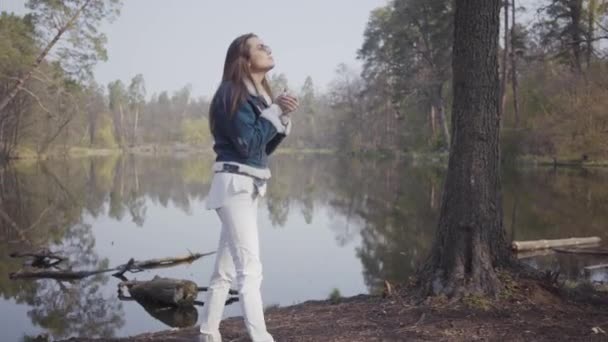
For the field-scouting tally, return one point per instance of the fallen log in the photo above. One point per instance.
(138, 266)
(590, 251)
(534, 253)
(175, 317)
(543, 244)
(592, 268)
(59, 275)
(131, 266)
(163, 291)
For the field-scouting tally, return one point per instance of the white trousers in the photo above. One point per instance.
(238, 255)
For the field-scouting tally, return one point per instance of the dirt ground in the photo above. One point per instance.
(527, 311)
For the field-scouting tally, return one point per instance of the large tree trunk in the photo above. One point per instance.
(470, 239)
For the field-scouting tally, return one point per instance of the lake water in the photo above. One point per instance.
(325, 224)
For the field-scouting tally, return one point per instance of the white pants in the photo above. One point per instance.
(238, 254)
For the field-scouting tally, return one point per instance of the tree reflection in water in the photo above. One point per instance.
(390, 205)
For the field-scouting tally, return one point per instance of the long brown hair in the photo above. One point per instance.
(236, 71)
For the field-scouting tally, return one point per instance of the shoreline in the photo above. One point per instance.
(530, 310)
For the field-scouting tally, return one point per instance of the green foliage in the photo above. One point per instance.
(335, 296)
(196, 132)
(17, 43)
(478, 302)
(563, 114)
(400, 102)
(105, 135)
(83, 44)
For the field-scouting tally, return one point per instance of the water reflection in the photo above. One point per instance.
(39, 208)
(389, 208)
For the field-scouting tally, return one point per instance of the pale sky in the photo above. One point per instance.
(179, 42)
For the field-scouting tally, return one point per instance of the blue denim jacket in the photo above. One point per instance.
(250, 135)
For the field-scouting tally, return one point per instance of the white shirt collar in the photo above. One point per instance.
(253, 91)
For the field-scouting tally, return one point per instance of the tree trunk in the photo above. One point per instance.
(470, 238)
(591, 29)
(514, 81)
(92, 129)
(119, 127)
(576, 8)
(134, 138)
(432, 120)
(438, 113)
(443, 121)
(505, 59)
(47, 143)
(17, 87)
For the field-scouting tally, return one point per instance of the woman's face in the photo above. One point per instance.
(260, 56)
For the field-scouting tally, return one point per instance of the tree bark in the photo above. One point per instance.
(470, 238)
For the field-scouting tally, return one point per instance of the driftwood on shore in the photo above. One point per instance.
(544, 244)
(590, 251)
(164, 291)
(592, 268)
(534, 253)
(171, 301)
(132, 266)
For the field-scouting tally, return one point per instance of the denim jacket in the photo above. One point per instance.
(245, 141)
(252, 133)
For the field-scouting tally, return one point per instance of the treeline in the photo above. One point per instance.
(553, 74)
(49, 99)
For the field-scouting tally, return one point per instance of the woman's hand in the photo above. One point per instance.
(287, 103)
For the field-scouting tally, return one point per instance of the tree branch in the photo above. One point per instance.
(29, 92)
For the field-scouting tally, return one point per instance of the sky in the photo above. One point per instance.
(178, 42)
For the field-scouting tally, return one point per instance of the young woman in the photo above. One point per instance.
(247, 127)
